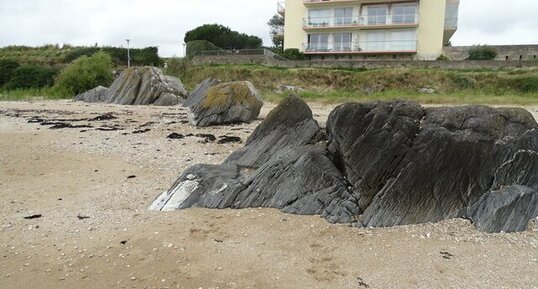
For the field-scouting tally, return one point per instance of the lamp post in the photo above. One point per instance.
(128, 53)
(184, 50)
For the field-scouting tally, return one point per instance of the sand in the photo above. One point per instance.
(92, 189)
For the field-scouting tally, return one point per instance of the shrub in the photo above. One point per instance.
(86, 73)
(482, 52)
(442, 57)
(527, 84)
(31, 76)
(177, 67)
(293, 54)
(6, 69)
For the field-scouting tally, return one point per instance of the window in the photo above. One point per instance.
(375, 41)
(404, 40)
(342, 41)
(404, 13)
(343, 16)
(318, 17)
(377, 15)
(318, 42)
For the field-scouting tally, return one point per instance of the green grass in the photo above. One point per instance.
(469, 97)
(32, 94)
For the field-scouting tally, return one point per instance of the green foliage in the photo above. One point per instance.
(482, 52)
(276, 24)
(293, 54)
(6, 69)
(526, 84)
(86, 73)
(223, 37)
(177, 67)
(195, 47)
(31, 76)
(442, 57)
(54, 55)
(461, 81)
(148, 56)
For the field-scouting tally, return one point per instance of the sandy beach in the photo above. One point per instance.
(73, 210)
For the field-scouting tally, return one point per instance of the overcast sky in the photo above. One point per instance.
(163, 23)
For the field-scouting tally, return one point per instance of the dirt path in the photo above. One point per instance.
(92, 187)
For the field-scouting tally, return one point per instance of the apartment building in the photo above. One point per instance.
(330, 29)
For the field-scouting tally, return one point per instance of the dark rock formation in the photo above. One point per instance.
(224, 103)
(409, 164)
(383, 164)
(200, 92)
(144, 86)
(279, 167)
(97, 94)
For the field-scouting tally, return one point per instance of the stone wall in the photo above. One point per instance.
(368, 64)
(505, 52)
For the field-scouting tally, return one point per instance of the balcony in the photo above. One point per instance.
(281, 8)
(364, 47)
(365, 22)
(317, 3)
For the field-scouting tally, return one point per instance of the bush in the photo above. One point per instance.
(293, 54)
(6, 69)
(86, 73)
(31, 76)
(177, 67)
(223, 37)
(442, 57)
(482, 52)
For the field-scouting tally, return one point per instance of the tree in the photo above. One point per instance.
(276, 23)
(86, 73)
(223, 37)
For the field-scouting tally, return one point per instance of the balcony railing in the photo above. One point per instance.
(394, 46)
(281, 8)
(357, 21)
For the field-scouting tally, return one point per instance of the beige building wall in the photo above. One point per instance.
(294, 35)
(431, 29)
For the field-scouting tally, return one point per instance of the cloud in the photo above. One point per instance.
(163, 23)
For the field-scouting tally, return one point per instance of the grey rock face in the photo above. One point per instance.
(199, 92)
(383, 164)
(224, 103)
(145, 86)
(409, 164)
(97, 94)
(290, 173)
(508, 209)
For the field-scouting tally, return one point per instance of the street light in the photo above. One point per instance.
(128, 53)
(184, 50)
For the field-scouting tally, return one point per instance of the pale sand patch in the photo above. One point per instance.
(67, 175)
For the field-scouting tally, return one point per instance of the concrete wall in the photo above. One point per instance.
(513, 52)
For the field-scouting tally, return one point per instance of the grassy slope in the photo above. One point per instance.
(515, 86)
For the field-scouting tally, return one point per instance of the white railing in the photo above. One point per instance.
(361, 46)
(378, 20)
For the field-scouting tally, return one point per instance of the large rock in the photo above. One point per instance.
(383, 164)
(144, 86)
(98, 94)
(200, 92)
(224, 103)
(280, 167)
(409, 164)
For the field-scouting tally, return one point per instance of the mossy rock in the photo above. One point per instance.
(225, 103)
